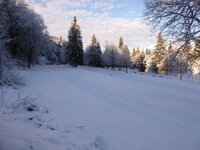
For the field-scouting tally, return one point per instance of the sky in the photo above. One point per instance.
(107, 19)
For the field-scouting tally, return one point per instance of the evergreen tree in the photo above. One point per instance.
(94, 40)
(75, 45)
(121, 45)
(183, 58)
(168, 63)
(93, 54)
(142, 63)
(159, 53)
(135, 57)
(126, 59)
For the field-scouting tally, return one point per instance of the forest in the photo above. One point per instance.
(25, 42)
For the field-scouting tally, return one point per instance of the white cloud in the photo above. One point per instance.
(58, 14)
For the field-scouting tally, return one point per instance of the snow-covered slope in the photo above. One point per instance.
(99, 109)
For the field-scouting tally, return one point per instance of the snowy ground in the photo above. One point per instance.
(97, 109)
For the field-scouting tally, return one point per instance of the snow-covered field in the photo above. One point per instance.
(99, 109)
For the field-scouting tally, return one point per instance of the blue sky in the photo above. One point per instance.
(108, 19)
(130, 8)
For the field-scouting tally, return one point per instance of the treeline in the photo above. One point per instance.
(25, 41)
(180, 21)
(166, 58)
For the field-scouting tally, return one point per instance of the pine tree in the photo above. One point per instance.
(121, 45)
(93, 54)
(126, 59)
(75, 45)
(168, 63)
(183, 58)
(133, 57)
(142, 63)
(94, 40)
(159, 53)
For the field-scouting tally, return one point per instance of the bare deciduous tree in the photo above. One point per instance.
(179, 19)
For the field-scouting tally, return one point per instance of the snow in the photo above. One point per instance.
(100, 109)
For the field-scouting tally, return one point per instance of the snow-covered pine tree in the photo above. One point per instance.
(75, 45)
(183, 58)
(126, 59)
(142, 63)
(93, 54)
(135, 57)
(167, 61)
(121, 45)
(159, 54)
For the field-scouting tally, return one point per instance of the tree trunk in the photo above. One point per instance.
(126, 69)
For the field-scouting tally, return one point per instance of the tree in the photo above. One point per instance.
(197, 48)
(25, 30)
(183, 58)
(111, 56)
(4, 37)
(195, 61)
(75, 45)
(135, 57)
(93, 54)
(121, 45)
(94, 40)
(142, 63)
(30, 29)
(159, 54)
(195, 54)
(180, 19)
(167, 62)
(126, 60)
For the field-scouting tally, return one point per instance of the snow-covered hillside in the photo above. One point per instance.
(99, 109)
